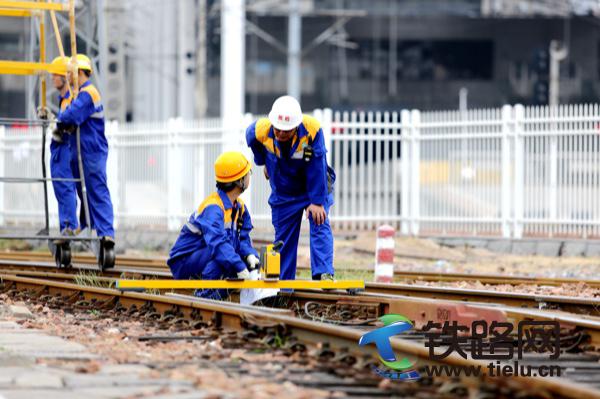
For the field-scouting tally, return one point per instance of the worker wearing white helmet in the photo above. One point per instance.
(291, 147)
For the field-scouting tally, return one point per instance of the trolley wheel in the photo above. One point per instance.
(62, 256)
(106, 258)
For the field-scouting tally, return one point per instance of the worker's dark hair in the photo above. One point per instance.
(87, 73)
(226, 187)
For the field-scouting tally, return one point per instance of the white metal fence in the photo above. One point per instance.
(512, 172)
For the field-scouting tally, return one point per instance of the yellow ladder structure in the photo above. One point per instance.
(31, 9)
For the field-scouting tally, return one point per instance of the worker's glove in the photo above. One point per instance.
(244, 274)
(45, 113)
(66, 129)
(57, 135)
(252, 261)
(254, 275)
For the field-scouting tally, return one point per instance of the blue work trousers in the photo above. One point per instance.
(65, 191)
(287, 219)
(100, 204)
(197, 265)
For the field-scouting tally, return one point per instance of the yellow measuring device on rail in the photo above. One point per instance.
(270, 268)
(140, 285)
(270, 260)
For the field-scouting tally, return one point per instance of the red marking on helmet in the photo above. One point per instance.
(280, 117)
(287, 118)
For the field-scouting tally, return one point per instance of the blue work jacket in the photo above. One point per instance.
(291, 174)
(220, 228)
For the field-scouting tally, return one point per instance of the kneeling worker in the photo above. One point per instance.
(215, 242)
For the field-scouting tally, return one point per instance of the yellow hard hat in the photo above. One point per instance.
(83, 62)
(58, 66)
(231, 166)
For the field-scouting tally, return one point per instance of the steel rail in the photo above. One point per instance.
(160, 263)
(573, 304)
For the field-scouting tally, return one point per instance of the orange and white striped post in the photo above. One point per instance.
(384, 254)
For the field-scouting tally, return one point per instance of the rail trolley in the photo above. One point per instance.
(59, 245)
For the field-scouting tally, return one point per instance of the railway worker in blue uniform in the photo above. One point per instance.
(291, 147)
(215, 242)
(60, 155)
(86, 112)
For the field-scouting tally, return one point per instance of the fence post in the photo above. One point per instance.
(247, 195)
(174, 174)
(2, 171)
(553, 197)
(519, 172)
(506, 170)
(326, 125)
(198, 188)
(415, 172)
(405, 147)
(231, 129)
(112, 130)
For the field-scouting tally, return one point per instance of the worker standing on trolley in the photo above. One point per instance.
(292, 148)
(60, 155)
(86, 113)
(215, 242)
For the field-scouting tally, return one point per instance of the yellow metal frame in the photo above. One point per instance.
(16, 13)
(11, 8)
(29, 68)
(33, 5)
(238, 284)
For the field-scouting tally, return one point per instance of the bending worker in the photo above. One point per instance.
(60, 155)
(86, 112)
(292, 148)
(215, 242)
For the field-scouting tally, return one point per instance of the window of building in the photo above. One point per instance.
(9, 43)
(427, 60)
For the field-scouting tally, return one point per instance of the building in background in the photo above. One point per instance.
(12, 88)
(419, 54)
(159, 59)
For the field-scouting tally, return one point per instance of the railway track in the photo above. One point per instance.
(86, 259)
(339, 341)
(371, 305)
(401, 276)
(573, 304)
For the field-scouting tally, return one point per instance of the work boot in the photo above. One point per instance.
(326, 277)
(108, 242)
(67, 232)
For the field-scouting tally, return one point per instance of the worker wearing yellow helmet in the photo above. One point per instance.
(60, 155)
(87, 113)
(215, 242)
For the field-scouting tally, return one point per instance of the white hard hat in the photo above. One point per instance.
(286, 113)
